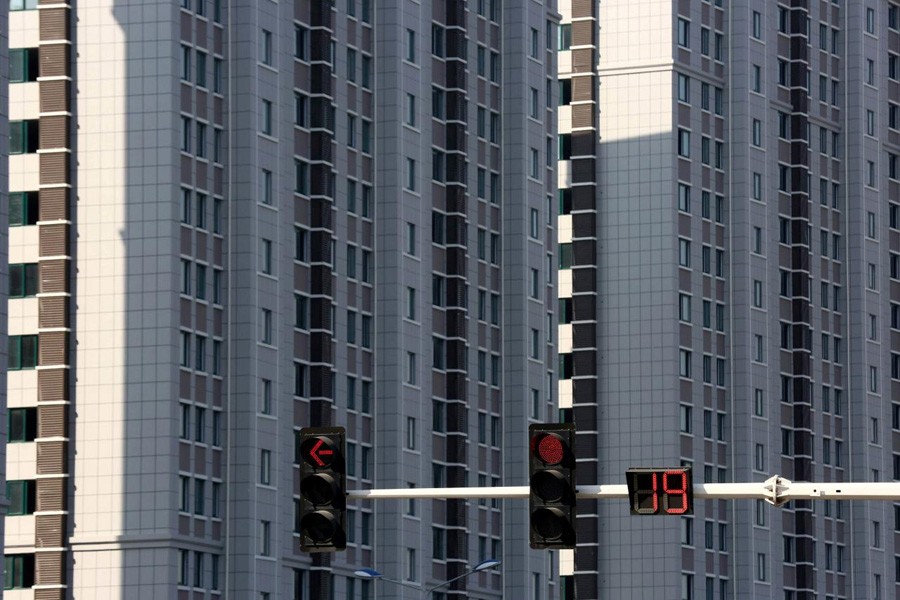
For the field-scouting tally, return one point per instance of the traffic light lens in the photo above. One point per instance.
(550, 449)
(318, 451)
(549, 523)
(319, 526)
(549, 486)
(319, 489)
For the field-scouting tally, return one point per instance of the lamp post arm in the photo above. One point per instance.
(402, 583)
(449, 581)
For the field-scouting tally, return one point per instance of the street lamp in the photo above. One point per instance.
(484, 565)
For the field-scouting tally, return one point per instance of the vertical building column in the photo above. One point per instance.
(584, 360)
(457, 272)
(321, 189)
(54, 328)
(4, 249)
(800, 295)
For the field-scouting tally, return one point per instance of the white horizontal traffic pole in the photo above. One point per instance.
(705, 490)
(885, 490)
(516, 491)
(787, 490)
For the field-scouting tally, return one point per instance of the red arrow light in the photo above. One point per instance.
(315, 453)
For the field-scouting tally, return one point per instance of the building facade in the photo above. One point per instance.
(4, 235)
(233, 219)
(745, 275)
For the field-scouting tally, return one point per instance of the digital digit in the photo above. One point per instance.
(680, 489)
(642, 494)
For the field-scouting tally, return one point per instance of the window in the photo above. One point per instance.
(217, 75)
(684, 308)
(265, 47)
(23, 280)
(870, 20)
(564, 146)
(186, 63)
(687, 586)
(411, 368)
(410, 110)
(411, 46)
(565, 36)
(23, 64)
(23, 352)
(266, 185)
(265, 535)
(266, 117)
(410, 564)
(759, 457)
(265, 467)
(535, 172)
(684, 88)
(756, 79)
(757, 133)
(351, 65)
(684, 363)
(199, 496)
(684, 197)
(23, 208)
(410, 174)
(21, 495)
(684, 33)
(756, 27)
(23, 137)
(684, 252)
(351, 131)
(684, 143)
(18, 569)
(266, 326)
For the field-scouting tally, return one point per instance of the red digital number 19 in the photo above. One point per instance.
(678, 489)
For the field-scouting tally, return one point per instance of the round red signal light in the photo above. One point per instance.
(550, 449)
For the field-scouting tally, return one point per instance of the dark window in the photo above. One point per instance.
(23, 65)
(566, 366)
(564, 143)
(23, 351)
(21, 495)
(18, 570)
(23, 208)
(23, 137)
(23, 280)
(565, 256)
(22, 424)
(565, 201)
(565, 92)
(566, 311)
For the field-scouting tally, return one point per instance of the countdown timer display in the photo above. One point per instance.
(660, 491)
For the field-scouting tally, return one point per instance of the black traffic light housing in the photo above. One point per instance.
(323, 488)
(551, 501)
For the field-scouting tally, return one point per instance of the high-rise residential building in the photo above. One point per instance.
(738, 274)
(232, 219)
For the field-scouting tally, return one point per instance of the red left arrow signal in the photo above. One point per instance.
(316, 452)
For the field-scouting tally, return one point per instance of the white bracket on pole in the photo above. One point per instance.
(776, 486)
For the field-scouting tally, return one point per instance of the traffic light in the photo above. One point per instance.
(323, 484)
(551, 466)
